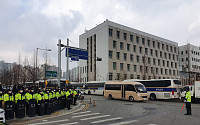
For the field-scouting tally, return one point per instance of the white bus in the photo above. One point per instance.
(161, 88)
(94, 87)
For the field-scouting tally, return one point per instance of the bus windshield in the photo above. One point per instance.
(177, 82)
(140, 88)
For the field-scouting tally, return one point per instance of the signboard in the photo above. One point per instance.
(75, 58)
(76, 52)
(51, 73)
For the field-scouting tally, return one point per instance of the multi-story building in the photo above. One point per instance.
(189, 63)
(126, 53)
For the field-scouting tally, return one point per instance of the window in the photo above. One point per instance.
(169, 56)
(121, 66)
(118, 76)
(118, 55)
(143, 41)
(165, 55)
(114, 44)
(128, 47)
(161, 71)
(138, 59)
(151, 51)
(114, 65)
(131, 38)
(159, 62)
(131, 57)
(125, 35)
(172, 65)
(153, 43)
(118, 34)
(158, 45)
(110, 32)
(129, 88)
(110, 54)
(173, 57)
(131, 76)
(121, 46)
(163, 63)
(128, 67)
(149, 60)
(141, 50)
(154, 61)
(137, 39)
(171, 48)
(166, 72)
(146, 51)
(125, 56)
(175, 50)
(141, 69)
(156, 52)
(167, 63)
(167, 48)
(110, 76)
(135, 68)
(148, 42)
(112, 87)
(134, 48)
(160, 54)
(163, 46)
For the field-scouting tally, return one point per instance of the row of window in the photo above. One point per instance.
(141, 68)
(144, 41)
(144, 59)
(131, 76)
(193, 52)
(186, 59)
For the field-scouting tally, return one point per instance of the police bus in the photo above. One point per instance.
(94, 87)
(132, 91)
(161, 88)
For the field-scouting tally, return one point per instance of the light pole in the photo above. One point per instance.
(37, 59)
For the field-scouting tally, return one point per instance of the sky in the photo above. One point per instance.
(29, 24)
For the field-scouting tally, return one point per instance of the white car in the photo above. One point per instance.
(2, 116)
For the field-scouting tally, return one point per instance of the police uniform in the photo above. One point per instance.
(20, 104)
(68, 99)
(9, 105)
(75, 96)
(188, 102)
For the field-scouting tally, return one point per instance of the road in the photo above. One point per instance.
(117, 112)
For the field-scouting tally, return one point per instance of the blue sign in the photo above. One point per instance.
(74, 58)
(81, 54)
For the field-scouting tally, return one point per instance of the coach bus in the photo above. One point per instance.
(94, 87)
(132, 91)
(161, 88)
(77, 85)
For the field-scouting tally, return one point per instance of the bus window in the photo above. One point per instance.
(140, 88)
(177, 82)
(129, 88)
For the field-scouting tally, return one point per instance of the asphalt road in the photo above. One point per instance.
(117, 112)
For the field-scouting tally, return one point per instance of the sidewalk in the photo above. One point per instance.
(20, 121)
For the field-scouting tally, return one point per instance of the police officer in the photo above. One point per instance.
(1, 98)
(20, 104)
(57, 99)
(188, 101)
(68, 99)
(63, 98)
(32, 104)
(75, 96)
(40, 104)
(9, 104)
(28, 97)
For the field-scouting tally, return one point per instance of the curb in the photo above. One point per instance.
(76, 108)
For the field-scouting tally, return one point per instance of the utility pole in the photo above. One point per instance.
(59, 61)
(67, 59)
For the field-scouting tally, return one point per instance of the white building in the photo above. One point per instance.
(189, 62)
(126, 53)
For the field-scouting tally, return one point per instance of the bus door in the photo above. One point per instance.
(123, 92)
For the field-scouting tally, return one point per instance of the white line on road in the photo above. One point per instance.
(42, 123)
(123, 123)
(81, 112)
(73, 123)
(94, 117)
(85, 115)
(105, 120)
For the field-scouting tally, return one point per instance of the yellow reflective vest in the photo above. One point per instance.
(6, 97)
(19, 96)
(188, 96)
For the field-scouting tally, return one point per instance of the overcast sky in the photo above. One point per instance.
(29, 24)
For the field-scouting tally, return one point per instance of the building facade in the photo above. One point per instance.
(189, 63)
(126, 53)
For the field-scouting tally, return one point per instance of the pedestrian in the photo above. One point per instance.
(188, 102)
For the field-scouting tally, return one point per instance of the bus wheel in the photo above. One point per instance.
(131, 99)
(110, 97)
(153, 97)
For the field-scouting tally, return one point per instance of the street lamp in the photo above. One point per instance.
(37, 59)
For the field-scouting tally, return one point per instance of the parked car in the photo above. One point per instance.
(2, 116)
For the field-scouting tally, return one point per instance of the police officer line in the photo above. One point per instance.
(32, 103)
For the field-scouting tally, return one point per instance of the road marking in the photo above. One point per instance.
(105, 120)
(81, 112)
(85, 115)
(123, 123)
(41, 123)
(94, 117)
(151, 124)
(73, 123)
